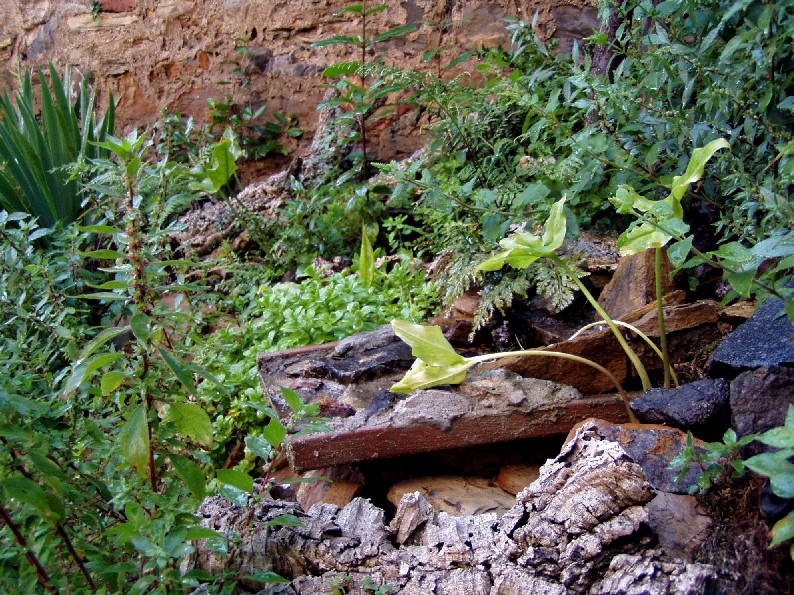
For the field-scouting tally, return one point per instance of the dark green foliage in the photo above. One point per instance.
(105, 449)
(35, 152)
(532, 125)
(258, 138)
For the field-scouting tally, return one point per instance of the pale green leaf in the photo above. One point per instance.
(427, 343)
(134, 440)
(555, 228)
(697, 164)
(640, 238)
(111, 381)
(496, 262)
(422, 376)
(192, 421)
(626, 199)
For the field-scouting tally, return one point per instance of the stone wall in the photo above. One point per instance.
(155, 54)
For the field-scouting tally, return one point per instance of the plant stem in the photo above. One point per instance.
(140, 298)
(41, 572)
(636, 331)
(76, 557)
(569, 356)
(660, 317)
(635, 360)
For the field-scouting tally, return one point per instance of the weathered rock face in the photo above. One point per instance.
(763, 341)
(700, 406)
(583, 526)
(178, 53)
(350, 382)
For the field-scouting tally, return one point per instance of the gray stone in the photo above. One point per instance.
(680, 523)
(652, 447)
(764, 340)
(698, 406)
(759, 399)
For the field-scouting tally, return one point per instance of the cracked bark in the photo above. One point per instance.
(582, 527)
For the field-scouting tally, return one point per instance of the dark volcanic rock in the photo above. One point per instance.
(700, 406)
(760, 398)
(764, 340)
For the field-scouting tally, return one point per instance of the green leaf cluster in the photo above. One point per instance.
(779, 468)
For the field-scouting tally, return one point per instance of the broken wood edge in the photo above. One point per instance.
(315, 451)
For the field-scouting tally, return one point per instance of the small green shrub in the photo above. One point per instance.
(720, 461)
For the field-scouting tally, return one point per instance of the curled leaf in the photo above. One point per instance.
(423, 375)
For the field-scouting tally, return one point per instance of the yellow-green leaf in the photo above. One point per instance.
(427, 343)
(422, 376)
(192, 421)
(111, 381)
(134, 439)
(640, 238)
(697, 164)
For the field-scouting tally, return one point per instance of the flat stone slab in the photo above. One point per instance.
(764, 340)
(350, 382)
(514, 399)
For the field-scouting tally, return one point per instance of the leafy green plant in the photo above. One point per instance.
(258, 138)
(363, 101)
(438, 363)
(521, 249)
(34, 154)
(103, 443)
(658, 222)
(719, 460)
(549, 124)
(649, 231)
(778, 467)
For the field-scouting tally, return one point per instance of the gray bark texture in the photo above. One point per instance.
(581, 527)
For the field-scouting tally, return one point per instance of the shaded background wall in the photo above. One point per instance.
(175, 54)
